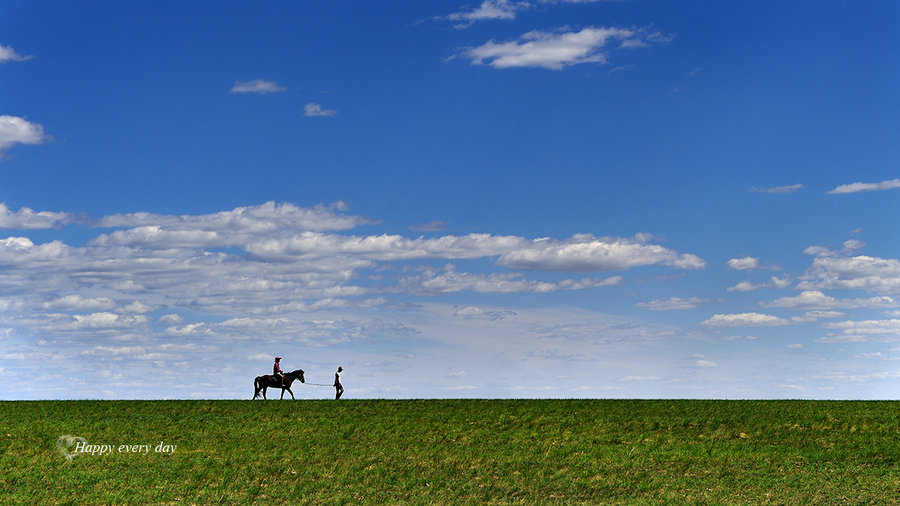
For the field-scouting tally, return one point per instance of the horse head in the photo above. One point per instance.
(299, 375)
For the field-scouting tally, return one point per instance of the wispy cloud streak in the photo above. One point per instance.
(866, 187)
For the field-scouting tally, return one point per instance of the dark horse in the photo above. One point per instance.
(269, 381)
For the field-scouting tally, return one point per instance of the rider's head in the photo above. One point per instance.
(340, 369)
(277, 359)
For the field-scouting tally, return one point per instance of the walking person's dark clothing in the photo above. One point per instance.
(338, 388)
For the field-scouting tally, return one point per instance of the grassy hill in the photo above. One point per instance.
(451, 451)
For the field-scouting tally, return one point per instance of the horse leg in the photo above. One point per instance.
(292, 394)
(264, 392)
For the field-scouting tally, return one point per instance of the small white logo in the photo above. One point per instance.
(68, 445)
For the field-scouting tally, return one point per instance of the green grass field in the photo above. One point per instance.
(452, 451)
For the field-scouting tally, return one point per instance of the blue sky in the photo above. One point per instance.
(450, 199)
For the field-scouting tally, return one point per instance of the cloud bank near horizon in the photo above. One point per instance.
(161, 290)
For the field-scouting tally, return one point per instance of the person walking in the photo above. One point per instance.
(338, 388)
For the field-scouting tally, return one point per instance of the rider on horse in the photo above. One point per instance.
(277, 372)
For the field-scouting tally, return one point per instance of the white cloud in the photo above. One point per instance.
(586, 253)
(814, 316)
(449, 281)
(744, 320)
(744, 286)
(749, 263)
(258, 86)
(191, 329)
(863, 330)
(819, 315)
(849, 247)
(499, 9)
(136, 307)
(866, 187)
(779, 283)
(16, 130)
(226, 228)
(313, 110)
(26, 218)
(735, 338)
(814, 299)
(157, 237)
(620, 68)
(318, 331)
(22, 251)
(580, 253)
(489, 9)
(7, 53)
(779, 189)
(558, 49)
(872, 356)
(580, 284)
(818, 251)
(257, 219)
(880, 275)
(79, 303)
(744, 263)
(673, 303)
(852, 245)
(774, 282)
(383, 247)
(115, 350)
(841, 339)
(606, 331)
(478, 313)
(171, 319)
(161, 352)
(105, 320)
(174, 269)
(705, 364)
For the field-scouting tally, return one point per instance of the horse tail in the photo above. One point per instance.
(256, 387)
